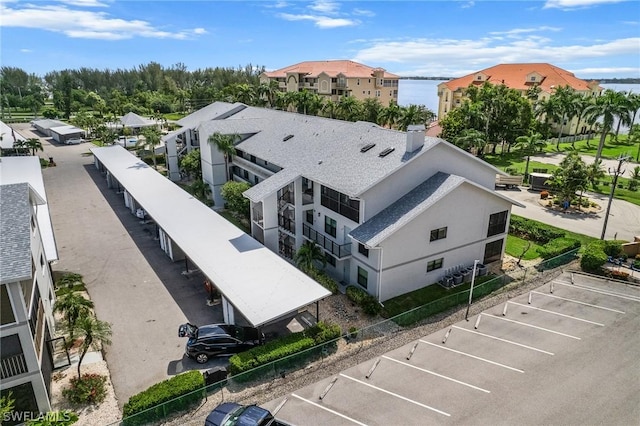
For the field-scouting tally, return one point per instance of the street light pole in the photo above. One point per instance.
(616, 173)
(473, 280)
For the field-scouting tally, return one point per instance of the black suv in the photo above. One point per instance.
(218, 339)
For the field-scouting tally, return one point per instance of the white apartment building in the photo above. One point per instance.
(27, 294)
(393, 211)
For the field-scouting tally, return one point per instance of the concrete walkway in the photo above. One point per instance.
(134, 286)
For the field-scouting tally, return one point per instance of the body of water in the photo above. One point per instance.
(425, 92)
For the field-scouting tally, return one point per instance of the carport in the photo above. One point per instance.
(261, 285)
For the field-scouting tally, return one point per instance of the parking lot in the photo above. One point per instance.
(562, 354)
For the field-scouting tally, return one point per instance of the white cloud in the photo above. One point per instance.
(86, 24)
(363, 12)
(455, 57)
(517, 31)
(85, 3)
(574, 4)
(321, 21)
(26, 50)
(328, 7)
(468, 4)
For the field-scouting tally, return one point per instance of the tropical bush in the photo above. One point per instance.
(167, 390)
(532, 230)
(558, 246)
(323, 279)
(612, 248)
(593, 256)
(367, 302)
(88, 390)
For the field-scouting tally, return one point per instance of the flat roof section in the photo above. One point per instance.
(259, 283)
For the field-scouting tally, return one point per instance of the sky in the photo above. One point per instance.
(591, 38)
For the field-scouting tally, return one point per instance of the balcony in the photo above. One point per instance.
(339, 250)
(254, 168)
(12, 366)
(257, 217)
(285, 250)
(288, 224)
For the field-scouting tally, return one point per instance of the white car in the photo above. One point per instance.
(127, 141)
(74, 141)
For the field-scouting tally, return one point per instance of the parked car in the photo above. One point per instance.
(218, 340)
(232, 414)
(74, 141)
(127, 141)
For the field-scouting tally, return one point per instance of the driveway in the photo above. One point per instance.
(134, 286)
(557, 157)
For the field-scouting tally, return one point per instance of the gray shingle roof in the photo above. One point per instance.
(15, 233)
(214, 111)
(381, 226)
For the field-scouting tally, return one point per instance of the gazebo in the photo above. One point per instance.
(133, 121)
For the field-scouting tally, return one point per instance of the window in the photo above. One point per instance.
(438, 234)
(533, 78)
(434, 264)
(256, 180)
(377, 93)
(497, 223)
(309, 216)
(362, 277)
(492, 251)
(358, 82)
(330, 259)
(340, 203)
(363, 250)
(253, 158)
(330, 226)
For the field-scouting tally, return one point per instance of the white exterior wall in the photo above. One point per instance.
(406, 253)
(213, 170)
(438, 159)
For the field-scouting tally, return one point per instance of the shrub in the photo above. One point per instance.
(532, 230)
(324, 280)
(283, 347)
(612, 248)
(88, 390)
(593, 257)
(182, 384)
(367, 302)
(544, 195)
(636, 264)
(558, 246)
(633, 185)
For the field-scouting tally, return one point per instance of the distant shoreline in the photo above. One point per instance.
(600, 80)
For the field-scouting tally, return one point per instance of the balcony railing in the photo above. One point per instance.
(261, 171)
(257, 217)
(287, 223)
(286, 250)
(12, 366)
(338, 250)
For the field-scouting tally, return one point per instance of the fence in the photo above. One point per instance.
(298, 364)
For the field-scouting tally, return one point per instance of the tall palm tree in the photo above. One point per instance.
(34, 145)
(72, 306)
(308, 255)
(408, 116)
(94, 333)
(595, 172)
(349, 108)
(329, 108)
(226, 145)
(153, 139)
(530, 144)
(580, 104)
(390, 115)
(605, 108)
(564, 97)
(547, 111)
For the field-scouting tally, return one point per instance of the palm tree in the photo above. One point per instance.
(605, 108)
(93, 332)
(580, 103)
(34, 145)
(408, 116)
(224, 144)
(595, 172)
(471, 138)
(349, 108)
(308, 255)
(202, 191)
(329, 108)
(530, 144)
(73, 306)
(390, 115)
(152, 138)
(564, 97)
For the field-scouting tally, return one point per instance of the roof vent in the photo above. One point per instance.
(386, 152)
(367, 147)
(286, 138)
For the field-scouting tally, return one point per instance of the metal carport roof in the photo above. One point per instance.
(256, 281)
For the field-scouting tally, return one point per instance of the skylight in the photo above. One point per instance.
(286, 138)
(386, 152)
(367, 147)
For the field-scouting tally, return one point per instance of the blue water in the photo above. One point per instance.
(425, 92)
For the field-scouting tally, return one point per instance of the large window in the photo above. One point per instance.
(330, 226)
(438, 234)
(340, 203)
(497, 223)
(435, 264)
(308, 216)
(493, 251)
(363, 277)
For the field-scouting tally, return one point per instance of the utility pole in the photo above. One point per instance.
(615, 173)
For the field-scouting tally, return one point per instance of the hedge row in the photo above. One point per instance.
(593, 256)
(166, 390)
(367, 302)
(532, 230)
(283, 347)
(558, 246)
(325, 280)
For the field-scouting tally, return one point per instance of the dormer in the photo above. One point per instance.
(534, 77)
(481, 77)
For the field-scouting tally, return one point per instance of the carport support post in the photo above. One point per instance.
(318, 310)
(473, 280)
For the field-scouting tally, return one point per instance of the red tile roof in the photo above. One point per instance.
(514, 76)
(332, 68)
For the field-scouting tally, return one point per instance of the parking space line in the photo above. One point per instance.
(578, 302)
(503, 340)
(605, 292)
(436, 374)
(472, 356)
(328, 409)
(531, 326)
(556, 313)
(396, 395)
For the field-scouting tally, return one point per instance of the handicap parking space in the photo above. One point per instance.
(565, 353)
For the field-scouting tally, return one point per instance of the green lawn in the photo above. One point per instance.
(515, 246)
(610, 149)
